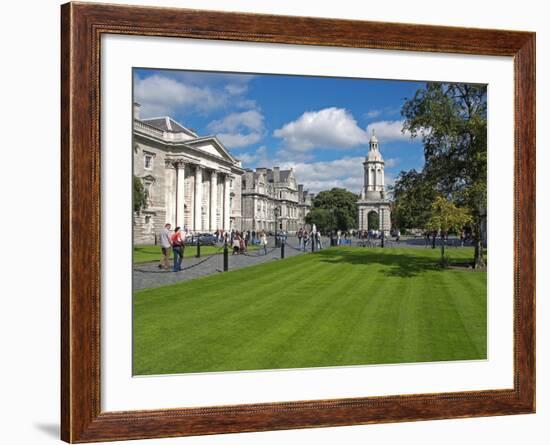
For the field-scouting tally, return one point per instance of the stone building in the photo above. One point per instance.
(191, 181)
(373, 195)
(272, 197)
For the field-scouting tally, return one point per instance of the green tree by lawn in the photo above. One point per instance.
(334, 209)
(139, 195)
(413, 197)
(451, 119)
(445, 216)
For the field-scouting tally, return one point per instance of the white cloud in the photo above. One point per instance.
(160, 95)
(346, 173)
(239, 129)
(373, 113)
(184, 91)
(254, 158)
(389, 131)
(391, 162)
(235, 89)
(251, 119)
(327, 128)
(236, 140)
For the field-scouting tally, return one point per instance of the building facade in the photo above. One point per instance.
(373, 195)
(272, 200)
(190, 181)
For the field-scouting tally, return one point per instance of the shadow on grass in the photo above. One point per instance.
(402, 265)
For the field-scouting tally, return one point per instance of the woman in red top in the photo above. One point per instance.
(177, 248)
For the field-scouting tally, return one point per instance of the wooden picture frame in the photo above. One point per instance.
(82, 26)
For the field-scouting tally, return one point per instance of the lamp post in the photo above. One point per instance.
(382, 225)
(276, 212)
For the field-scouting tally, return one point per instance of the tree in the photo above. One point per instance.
(321, 218)
(451, 119)
(334, 209)
(444, 217)
(413, 197)
(139, 195)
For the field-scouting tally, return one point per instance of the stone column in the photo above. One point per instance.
(213, 199)
(180, 194)
(197, 225)
(170, 194)
(226, 202)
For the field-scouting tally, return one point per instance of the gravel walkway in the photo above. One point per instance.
(148, 275)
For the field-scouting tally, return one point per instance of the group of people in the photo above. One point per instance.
(305, 238)
(171, 240)
(239, 241)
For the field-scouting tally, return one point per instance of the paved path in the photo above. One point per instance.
(148, 275)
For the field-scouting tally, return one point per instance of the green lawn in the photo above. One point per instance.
(150, 253)
(341, 306)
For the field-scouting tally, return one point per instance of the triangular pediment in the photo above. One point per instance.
(212, 146)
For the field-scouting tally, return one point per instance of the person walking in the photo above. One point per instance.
(236, 244)
(397, 235)
(300, 238)
(165, 246)
(263, 241)
(318, 238)
(177, 247)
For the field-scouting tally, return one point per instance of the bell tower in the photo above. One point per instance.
(373, 172)
(373, 194)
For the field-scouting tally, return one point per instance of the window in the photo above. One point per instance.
(148, 188)
(148, 162)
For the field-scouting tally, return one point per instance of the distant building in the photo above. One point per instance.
(373, 195)
(272, 197)
(191, 181)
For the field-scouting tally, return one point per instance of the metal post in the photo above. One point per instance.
(225, 257)
(383, 231)
(282, 250)
(198, 247)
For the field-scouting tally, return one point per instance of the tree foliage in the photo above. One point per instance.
(334, 209)
(446, 216)
(139, 195)
(413, 197)
(451, 119)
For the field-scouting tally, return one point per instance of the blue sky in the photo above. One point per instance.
(317, 125)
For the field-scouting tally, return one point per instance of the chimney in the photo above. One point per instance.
(276, 174)
(136, 110)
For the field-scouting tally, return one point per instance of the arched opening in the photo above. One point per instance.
(373, 220)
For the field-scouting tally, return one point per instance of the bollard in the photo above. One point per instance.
(282, 250)
(225, 258)
(198, 247)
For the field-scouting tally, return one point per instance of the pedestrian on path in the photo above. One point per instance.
(318, 239)
(263, 241)
(177, 248)
(165, 246)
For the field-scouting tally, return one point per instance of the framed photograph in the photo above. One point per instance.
(275, 222)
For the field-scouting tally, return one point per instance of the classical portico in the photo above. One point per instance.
(373, 195)
(197, 197)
